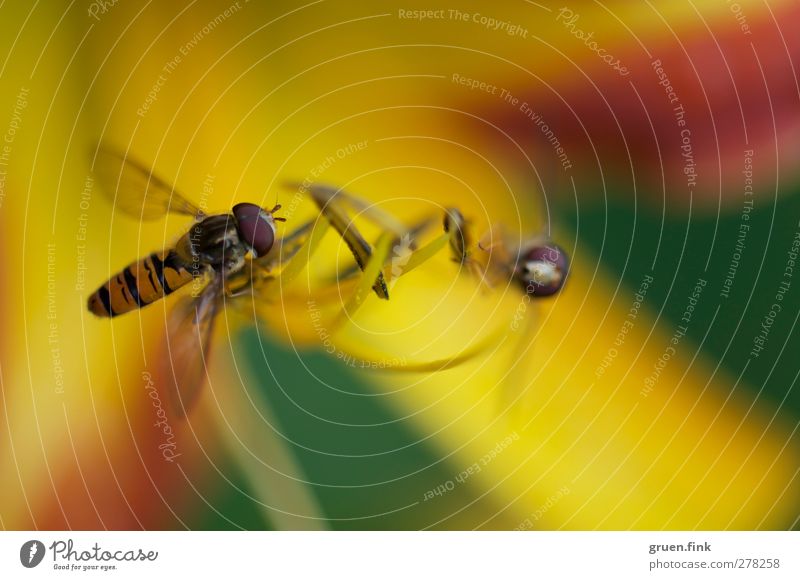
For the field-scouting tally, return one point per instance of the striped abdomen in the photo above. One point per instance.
(140, 284)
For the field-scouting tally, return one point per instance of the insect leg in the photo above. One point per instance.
(264, 269)
(372, 269)
(329, 202)
(302, 255)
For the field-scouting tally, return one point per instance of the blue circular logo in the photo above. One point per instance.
(31, 553)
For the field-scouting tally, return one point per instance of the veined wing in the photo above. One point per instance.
(190, 327)
(135, 189)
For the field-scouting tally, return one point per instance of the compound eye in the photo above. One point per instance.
(543, 270)
(255, 226)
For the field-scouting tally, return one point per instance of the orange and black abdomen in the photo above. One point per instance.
(140, 284)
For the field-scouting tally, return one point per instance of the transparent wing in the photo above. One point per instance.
(189, 331)
(135, 190)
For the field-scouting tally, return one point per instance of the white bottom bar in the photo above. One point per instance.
(356, 555)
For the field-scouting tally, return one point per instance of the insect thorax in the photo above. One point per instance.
(213, 242)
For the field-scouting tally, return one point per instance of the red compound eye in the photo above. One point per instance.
(543, 269)
(255, 226)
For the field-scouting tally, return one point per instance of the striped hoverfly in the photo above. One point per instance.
(226, 255)
(212, 253)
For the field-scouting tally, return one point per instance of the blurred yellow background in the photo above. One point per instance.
(576, 421)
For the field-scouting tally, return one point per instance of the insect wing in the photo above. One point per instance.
(189, 331)
(135, 189)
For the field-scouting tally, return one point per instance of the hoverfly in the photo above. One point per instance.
(538, 265)
(213, 251)
(228, 255)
